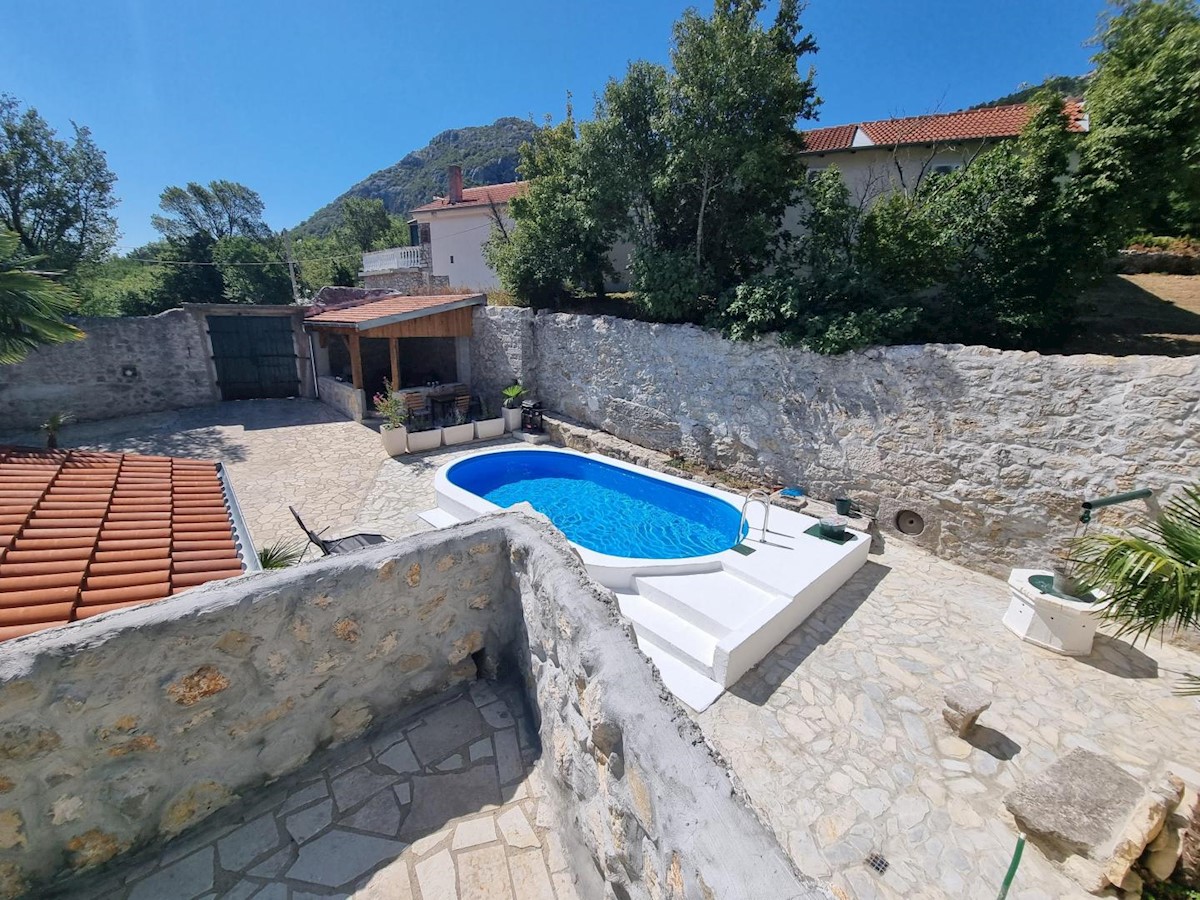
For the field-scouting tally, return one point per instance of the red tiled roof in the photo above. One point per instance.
(83, 533)
(969, 124)
(478, 196)
(367, 314)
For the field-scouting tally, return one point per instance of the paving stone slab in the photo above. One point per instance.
(241, 847)
(380, 814)
(304, 824)
(439, 798)
(341, 856)
(190, 877)
(355, 786)
(445, 730)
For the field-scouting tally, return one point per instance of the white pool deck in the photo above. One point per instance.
(706, 620)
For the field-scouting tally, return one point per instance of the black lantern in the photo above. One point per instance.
(531, 416)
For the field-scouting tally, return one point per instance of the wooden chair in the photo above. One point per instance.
(417, 404)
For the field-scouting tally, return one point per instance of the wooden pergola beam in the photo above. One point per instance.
(356, 372)
(394, 349)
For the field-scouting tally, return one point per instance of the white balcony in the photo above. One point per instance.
(392, 259)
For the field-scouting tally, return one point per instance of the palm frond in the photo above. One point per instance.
(282, 553)
(1151, 582)
(32, 307)
(1189, 686)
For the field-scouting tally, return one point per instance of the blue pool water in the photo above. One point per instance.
(602, 507)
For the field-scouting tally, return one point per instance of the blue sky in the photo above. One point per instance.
(300, 99)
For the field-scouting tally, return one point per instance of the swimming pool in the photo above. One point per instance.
(605, 508)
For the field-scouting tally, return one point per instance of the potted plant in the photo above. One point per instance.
(488, 426)
(394, 432)
(461, 431)
(422, 435)
(512, 406)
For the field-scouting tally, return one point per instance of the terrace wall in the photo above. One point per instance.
(168, 354)
(130, 727)
(994, 449)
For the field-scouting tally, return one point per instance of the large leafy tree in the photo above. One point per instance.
(1140, 163)
(708, 152)
(220, 209)
(55, 195)
(367, 225)
(252, 271)
(32, 306)
(561, 242)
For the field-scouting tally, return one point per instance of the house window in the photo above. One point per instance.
(451, 259)
(814, 174)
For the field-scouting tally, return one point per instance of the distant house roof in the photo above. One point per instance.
(373, 313)
(969, 124)
(82, 533)
(477, 196)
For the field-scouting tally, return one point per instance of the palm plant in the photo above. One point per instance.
(1153, 581)
(281, 554)
(512, 396)
(53, 425)
(31, 306)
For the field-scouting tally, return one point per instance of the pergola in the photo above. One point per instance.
(395, 318)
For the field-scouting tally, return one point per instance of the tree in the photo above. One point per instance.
(1140, 163)
(57, 196)
(326, 261)
(252, 271)
(367, 225)
(560, 244)
(223, 209)
(32, 306)
(717, 141)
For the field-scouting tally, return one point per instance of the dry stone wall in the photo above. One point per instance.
(128, 728)
(123, 367)
(994, 450)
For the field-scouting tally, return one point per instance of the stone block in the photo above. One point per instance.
(964, 704)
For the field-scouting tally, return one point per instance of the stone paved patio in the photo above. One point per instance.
(837, 735)
(441, 805)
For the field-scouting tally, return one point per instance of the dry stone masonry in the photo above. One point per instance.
(992, 450)
(129, 729)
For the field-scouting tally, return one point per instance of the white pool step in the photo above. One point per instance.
(715, 602)
(438, 518)
(681, 679)
(672, 634)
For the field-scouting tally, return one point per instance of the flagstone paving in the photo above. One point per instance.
(431, 808)
(837, 735)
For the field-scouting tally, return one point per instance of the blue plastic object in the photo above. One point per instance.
(605, 508)
(792, 491)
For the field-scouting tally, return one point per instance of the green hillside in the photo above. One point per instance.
(487, 154)
(1067, 85)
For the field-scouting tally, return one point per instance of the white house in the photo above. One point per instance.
(885, 155)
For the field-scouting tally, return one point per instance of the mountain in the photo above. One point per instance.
(1067, 85)
(487, 153)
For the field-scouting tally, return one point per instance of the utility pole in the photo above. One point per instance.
(291, 264)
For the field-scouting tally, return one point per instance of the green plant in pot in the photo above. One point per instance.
(460, 430)
(489, 424)
(1151, 578)
(512, 406)
(390, 404)
(422, 433)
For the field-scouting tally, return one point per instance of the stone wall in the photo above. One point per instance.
(128, 728)
(501, 350)
(1139, 263)
(168, 354)
(342, 396)
(995, 450)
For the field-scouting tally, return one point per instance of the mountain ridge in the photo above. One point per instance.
(488, 154)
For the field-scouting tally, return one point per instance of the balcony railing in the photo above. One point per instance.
(393, 258)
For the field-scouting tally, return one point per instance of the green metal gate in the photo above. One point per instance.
(255, 356)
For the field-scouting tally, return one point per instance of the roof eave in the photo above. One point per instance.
(475, 300)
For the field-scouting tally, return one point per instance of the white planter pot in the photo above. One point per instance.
(486, 429)
(419, 441)
(512, 419)
(395, 440)
(458, 434)
(1059, 624)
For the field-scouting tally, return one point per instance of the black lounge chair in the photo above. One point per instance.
(330, 546)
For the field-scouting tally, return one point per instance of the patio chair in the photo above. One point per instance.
(331, 546)
(417, 404)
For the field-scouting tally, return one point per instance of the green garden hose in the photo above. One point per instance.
(1012, 868)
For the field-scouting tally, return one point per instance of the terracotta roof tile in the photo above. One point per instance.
(363, 315)
(85, 532)
(477, 196)
(965, 125)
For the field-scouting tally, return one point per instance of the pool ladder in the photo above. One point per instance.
(758, 495)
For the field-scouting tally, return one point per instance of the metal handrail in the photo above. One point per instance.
(1089, 505)
(758, 495)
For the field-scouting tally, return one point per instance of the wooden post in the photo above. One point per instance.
(394, 347)
(356, 361)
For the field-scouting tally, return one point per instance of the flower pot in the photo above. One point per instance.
(395, 440)
(458, 434)
(486, 429)
(512, 419)
(424, 440)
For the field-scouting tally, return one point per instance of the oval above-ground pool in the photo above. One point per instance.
(605, 508)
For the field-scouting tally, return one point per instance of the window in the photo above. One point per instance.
(813, 174)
